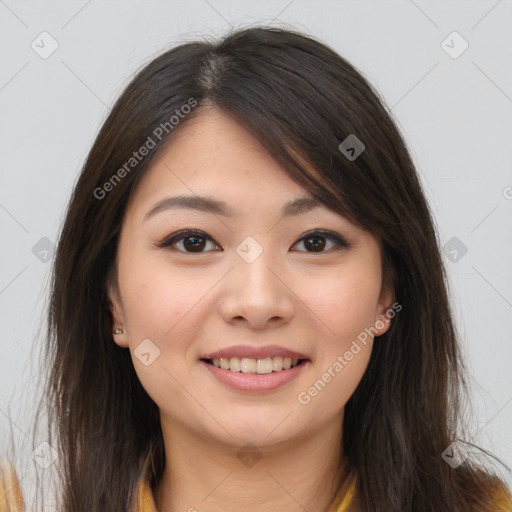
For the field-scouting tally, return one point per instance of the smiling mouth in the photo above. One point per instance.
(256, 366)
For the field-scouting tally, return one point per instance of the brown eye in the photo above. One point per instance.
(187, 241)
(194, 243)
(316, 241)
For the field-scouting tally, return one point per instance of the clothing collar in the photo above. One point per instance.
(146, 503)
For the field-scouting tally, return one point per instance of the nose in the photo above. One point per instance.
(257, 294)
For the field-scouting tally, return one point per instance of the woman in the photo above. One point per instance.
(249, 306)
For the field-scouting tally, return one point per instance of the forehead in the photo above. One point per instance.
(213, 155)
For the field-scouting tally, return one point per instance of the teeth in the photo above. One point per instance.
(248, 365)
(277, 364)
(259, 366)
(265, 365)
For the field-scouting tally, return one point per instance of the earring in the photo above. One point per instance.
(118, 331)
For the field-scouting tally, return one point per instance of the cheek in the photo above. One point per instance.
(158, 305)
(157, 297)
(346, 304)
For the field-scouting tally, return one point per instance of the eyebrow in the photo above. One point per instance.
(296, 206)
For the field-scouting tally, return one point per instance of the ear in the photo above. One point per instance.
(116, 310)
(386, 310)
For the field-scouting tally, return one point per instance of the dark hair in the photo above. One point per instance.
(300, 99)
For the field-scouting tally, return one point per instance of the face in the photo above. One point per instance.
(248, 285)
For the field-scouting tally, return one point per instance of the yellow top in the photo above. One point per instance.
(146, 503)
(11, 498)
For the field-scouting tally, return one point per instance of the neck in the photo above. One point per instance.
(295, 475)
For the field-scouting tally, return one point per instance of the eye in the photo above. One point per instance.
(315, 241)
(194, 241)
(191, 241)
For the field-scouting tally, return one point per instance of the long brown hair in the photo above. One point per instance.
(300, 99)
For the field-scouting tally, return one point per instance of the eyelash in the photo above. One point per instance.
(339, 241)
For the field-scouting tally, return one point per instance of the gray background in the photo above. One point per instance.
(455, 113)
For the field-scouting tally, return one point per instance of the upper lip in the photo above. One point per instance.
(254, 352)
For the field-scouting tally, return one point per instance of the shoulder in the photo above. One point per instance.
(500, 497)
(11, 498)
(479, 491)
(483, 491)
(346, 497)
(144, 501)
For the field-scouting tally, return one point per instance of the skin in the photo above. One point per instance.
(190, 303)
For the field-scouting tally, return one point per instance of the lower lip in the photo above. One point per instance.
(253, 381)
